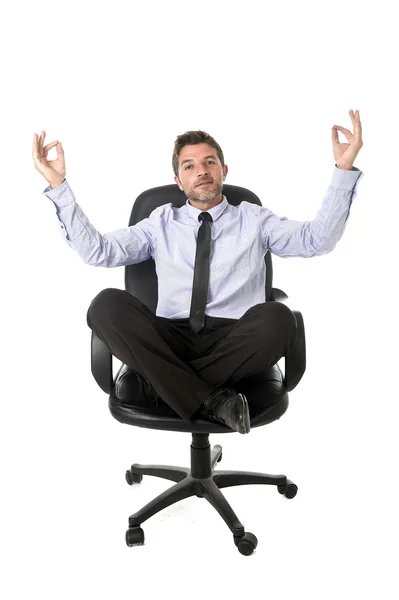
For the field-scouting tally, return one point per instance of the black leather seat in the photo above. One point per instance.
(267, 395)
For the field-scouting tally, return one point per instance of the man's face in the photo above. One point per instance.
(201, 174)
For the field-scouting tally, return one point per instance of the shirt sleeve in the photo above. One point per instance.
(285, 237)
(126, 246)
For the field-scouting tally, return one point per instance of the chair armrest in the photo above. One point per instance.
(279, 296)
(101, 364)
(295, 361)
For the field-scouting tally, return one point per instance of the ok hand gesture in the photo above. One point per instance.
(345, 154)
(52, 170)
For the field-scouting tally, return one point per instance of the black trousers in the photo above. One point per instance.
(185, 367)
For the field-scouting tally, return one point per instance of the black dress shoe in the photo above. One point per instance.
(228, 407)
(148, 390)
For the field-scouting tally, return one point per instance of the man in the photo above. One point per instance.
(212, 326)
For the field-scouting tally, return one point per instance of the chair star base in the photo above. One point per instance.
(204, 482)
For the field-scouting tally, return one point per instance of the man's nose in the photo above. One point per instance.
(202, 171)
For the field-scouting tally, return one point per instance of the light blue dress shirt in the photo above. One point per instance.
(241, 236)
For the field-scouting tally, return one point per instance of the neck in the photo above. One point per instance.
(205, 205)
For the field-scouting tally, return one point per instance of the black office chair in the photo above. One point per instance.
(267, 395)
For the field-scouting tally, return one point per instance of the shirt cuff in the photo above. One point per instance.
(61, 195)
(345, 180)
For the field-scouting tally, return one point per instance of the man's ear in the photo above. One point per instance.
(225, 171)
(177, 180)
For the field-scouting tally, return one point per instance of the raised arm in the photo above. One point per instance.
(129, 245)
(285, 237)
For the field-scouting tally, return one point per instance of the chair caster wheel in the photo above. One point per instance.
(289, 489)
(134, 536)
(246, 544)
(133, 477)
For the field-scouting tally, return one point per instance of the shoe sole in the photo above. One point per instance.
(246, 424)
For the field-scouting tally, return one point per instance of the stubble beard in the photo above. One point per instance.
(198, 195)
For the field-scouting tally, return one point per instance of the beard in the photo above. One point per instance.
(204, 193)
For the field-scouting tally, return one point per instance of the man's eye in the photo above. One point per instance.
(189, 166)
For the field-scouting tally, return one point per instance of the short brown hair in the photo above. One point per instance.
(191, 138)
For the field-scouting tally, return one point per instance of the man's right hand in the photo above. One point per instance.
(52, 170)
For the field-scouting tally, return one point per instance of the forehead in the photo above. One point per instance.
(196, 151)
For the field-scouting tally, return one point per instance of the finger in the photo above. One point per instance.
(34, 146)
(343, 129)
(357, 126)
(48, 147)
(335, 136)
(354, 115)
(346, 132)
(39, 144)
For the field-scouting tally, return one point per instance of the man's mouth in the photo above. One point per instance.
(204, 183)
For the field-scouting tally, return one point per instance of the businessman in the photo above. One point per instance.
(212, 325)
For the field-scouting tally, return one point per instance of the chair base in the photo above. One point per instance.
(204, 482)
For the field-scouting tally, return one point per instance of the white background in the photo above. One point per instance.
(116, 83)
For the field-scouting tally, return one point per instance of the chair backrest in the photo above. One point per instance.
(141, 279)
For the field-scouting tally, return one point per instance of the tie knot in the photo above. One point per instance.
(205, 216)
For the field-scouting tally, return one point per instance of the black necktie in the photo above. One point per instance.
(201, 273)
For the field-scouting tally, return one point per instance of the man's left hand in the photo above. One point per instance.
(345, 154)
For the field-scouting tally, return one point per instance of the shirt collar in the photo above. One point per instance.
(215, 211)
